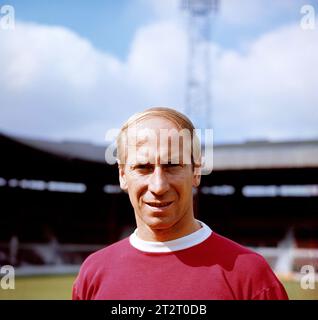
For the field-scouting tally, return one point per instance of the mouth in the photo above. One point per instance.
(159, 205)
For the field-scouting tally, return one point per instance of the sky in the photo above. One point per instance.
(72, 70)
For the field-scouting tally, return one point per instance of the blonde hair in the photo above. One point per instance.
(180, 120)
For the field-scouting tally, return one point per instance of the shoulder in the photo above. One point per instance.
(237, 254)
(249, 270)
(103, 256)
(95, 268)
(229, 256)
(102, 260)
(230, 247)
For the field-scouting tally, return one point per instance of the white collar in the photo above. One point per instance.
(185, 242)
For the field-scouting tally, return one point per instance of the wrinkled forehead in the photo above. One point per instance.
(157, 141)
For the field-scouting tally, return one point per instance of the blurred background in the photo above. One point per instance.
(71, 71)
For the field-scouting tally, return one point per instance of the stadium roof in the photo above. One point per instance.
(250, 155)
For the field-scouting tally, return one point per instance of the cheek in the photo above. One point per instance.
(183, 186)
(136, 189)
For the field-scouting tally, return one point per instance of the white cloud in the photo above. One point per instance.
(270, 88)
(52, 79)
(54, 84)
(156, 63)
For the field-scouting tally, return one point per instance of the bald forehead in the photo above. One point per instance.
(155, 123)
(158, 140)
(154, 127)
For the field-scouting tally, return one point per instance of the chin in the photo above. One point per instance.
(159, 222)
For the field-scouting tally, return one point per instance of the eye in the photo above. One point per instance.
(172, 165)
(143, 167)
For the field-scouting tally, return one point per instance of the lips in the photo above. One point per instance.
(159, 204)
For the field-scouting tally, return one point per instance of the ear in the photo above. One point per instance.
(196, 176)
(122, 178)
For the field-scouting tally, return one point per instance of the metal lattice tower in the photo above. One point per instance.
(198, 96)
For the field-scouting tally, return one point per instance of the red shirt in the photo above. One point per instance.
(215, 268)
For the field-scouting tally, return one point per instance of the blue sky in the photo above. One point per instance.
(110, 25)
(74, 69)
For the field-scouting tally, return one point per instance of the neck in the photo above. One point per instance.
(178, 230)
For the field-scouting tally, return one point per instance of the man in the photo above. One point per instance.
(171, 255)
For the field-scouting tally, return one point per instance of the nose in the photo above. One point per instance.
(158, 182)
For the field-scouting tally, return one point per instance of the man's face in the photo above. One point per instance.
(157, 177)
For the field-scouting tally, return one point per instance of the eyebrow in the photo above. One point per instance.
(149, 164)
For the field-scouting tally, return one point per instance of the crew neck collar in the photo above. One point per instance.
(185, 242)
